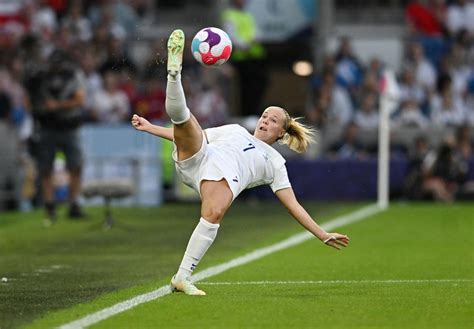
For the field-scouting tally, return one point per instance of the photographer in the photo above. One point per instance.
(57, 94)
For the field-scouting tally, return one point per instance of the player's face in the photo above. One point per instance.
(270, 126)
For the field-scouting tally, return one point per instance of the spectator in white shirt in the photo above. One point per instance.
(453, 64)
(44, 20)
(368, 117)
(207, 100)
(340, 109)
(409, 89)
(446, 109)
(77, 23)
(410, 115)
(460, 15)
(424, 71)
(110, 105)
(332, 105)
(93, 79)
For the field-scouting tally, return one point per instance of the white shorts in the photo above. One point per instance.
(206, 164)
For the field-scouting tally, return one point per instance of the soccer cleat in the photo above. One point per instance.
(175, 52)
(185, 285)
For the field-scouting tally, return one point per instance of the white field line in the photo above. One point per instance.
(296, 239)
(230, 283)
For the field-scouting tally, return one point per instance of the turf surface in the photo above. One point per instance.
(394, 272)
(76, 262)
(409, 267)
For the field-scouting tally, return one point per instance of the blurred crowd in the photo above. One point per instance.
(436, 80)
(95, 37)
(81, 51)
(436, 107)
(64, 63)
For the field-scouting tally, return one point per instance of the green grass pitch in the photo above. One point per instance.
(408, 267)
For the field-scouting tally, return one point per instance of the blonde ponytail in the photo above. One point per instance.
(298, 136)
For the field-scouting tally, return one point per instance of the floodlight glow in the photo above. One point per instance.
(302, 68)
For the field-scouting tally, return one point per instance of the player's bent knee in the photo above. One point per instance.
(213, 214)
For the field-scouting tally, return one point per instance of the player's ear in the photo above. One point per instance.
(281, 134)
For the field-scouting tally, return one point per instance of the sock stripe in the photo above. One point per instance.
(208, 224)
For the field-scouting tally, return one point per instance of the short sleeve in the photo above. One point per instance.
(280, 180)
(214, 134)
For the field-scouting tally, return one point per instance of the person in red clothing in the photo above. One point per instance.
(149, 102)
(426, 17)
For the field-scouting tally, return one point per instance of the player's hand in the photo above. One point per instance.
(336, 240)
(140, 123)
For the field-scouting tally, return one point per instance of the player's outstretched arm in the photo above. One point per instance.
(288, 199)
(142, 124)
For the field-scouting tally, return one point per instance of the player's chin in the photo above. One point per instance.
(260, 133)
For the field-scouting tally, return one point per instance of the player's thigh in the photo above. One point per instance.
(188, 138)
(216, 198)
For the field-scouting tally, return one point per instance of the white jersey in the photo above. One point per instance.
(244, 161)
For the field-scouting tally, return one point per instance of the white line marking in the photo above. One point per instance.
(117, 308)
(230, 283)
(212, 271)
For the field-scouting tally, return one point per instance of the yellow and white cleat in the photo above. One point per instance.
(175, 52)
(185, 285)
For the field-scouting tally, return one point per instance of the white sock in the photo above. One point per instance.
(201, 239)
(175, 100)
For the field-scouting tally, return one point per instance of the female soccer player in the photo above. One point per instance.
(221, 162)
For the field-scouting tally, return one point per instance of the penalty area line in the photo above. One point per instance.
(294, 240)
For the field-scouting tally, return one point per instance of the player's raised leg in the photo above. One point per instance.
(187, 131)
(188, 140)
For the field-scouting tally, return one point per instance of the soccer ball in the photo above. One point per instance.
(211, 46)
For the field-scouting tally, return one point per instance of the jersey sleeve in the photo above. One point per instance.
(215, 133)
(280, 180)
